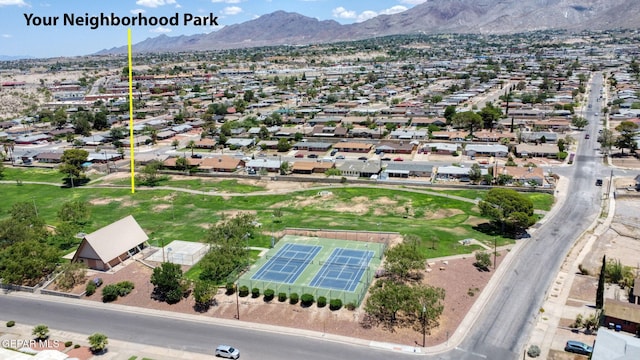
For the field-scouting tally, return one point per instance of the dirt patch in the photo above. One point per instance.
(442, 214)
(161, 207)
(104, 201)
(475, 221)
(460, 279)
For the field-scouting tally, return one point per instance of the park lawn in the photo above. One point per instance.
(541, 201)
(199, 184)
(33, 174)
(168, 215)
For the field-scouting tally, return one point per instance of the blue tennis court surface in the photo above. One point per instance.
(287, 264)
(343, 269)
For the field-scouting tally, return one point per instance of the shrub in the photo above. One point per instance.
(11, 323)
(98, 342)
(306, 299)
(76, 346)
(243, 291)
(335, 304)
(255, 292)
(91, 288)
(41, 332)
(293, 298)
(230, 288)
(110, 293)
(268, 294)
(125, 288)
(534, 351)
(322, 301)
(282, 297)
(562, 155)
(351, 306)
(68, 343)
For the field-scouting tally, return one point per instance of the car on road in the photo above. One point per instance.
(340, 157)
(598, 182)
(398, 159)
(578, 347)
(312, 156)
(586, 136)
(227, 351)
(299, 155)
(196, 156)
(363, 158)
(386, 159)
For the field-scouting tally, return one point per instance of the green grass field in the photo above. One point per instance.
(441, 222)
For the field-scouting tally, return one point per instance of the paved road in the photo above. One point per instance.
(201, 336)
(507, 322)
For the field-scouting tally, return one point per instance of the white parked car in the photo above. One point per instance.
(227, 351)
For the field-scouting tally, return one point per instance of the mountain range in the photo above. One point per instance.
(430, 17)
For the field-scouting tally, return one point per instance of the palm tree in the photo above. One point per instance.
(191, 144)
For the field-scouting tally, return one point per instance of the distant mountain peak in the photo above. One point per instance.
(430, 17)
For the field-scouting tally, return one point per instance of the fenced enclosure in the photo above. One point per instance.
(332, 268)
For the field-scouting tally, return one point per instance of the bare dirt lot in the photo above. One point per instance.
(460, 279)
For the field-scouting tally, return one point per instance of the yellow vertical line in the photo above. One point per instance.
(131, 142)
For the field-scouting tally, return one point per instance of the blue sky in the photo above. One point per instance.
(17, 38)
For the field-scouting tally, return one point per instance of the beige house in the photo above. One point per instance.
(111, 245)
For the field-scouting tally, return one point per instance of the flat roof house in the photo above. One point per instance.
(109, 246)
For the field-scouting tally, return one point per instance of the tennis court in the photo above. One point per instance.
(287, 264)
(332, 268)
(343, 269)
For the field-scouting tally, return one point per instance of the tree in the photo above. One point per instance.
(100, 121)
(490, 115)
(285, 167)
(579, 122)
(203, 293)
(283, 145)
(449, 112)
(75, 211)
(175, 143)
(41, 332)
(600, 289)
(168, 282)
(98, 342)
(149, 174)
(475, 173)
(27, 262)
(71, 274)
(628, 130)
(72, 160)
(59, 119)
(508, 208)
(182, 163)
(191, 144)
(333, 172)
(403, 261)
(561, 145)
(468, 120)
(483, 260)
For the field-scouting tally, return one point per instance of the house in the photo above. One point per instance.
(622, 314)
(540, 150)
(612, 345)
(272, 165)
(407, 169)
(310, 167)
(360, 168)
(390, 147)
(440, 148)
(109, 246)
(49, 157)
(312, 146)
(353, 147)
(486, 150)
(525, 175)
(408, 134)
(634, 296)
(455, 173)
(222, 163)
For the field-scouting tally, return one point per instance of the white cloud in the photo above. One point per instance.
(393, 10)
(342, 13)
(226, 1)
(366, 15)
(412, 2)
(137, 11)
(7, 36)
(160, 30)
(13, 2)
(231, 10)
(153, 3)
